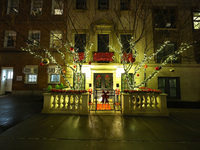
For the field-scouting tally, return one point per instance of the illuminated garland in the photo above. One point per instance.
(77, 62)
(128, 65)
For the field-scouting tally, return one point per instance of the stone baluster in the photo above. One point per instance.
(69, 101)
(64, 101)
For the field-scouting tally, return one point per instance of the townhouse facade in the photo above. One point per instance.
(46, 24)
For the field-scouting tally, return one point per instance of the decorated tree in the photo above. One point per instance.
(75, 63)
(137, 49)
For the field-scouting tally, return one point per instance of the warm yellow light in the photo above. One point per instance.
(119, 71)
(87, 71)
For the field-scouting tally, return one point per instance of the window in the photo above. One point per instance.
(80, 42)
(53, 74)
(103, 42)
(196, 20)
(13, 7)
(165, 18)
(77, 79)
(81, 4)
(10, 74)
(56, 39)
(55, 78)
(103, 4)
(31, 73)
(125, 4)
(32, 78)
(34, 38)
(162, 55)
(36, 7)
(10, 39)
(125, 42)
(170, 86)
(124, 82)
(57, 7)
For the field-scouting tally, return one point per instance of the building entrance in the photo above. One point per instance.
(6, 80)
(104, 96)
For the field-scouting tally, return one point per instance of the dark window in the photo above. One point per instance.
(162, 55)
(103, 42)
(77, 79)
(124, 81)
(170, 86)
(125, 42)
(165, 18)
(80, 42)
(81, 4)
(125, 4)
(103, 4)
(197, 52)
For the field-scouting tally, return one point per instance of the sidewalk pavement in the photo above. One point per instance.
(179, 131)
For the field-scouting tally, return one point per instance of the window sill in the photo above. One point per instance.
(31, 83)
(80, 10)
(173, 29)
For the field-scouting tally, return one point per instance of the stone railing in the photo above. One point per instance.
(66, 103)
(144, 104)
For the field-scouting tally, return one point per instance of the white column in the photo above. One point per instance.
(85, 105)
(47, 103)
(162, 104)
(125, 103)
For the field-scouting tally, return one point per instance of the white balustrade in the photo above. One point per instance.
(66, 103)
(144, 104)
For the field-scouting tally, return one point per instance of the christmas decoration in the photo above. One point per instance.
(105, 97)
(103, 56)
(81, 56)
(138, 75)
(41, 64)
(145, 66)
(63, 71)
(157, 68)
(98, 81)
(132, 60)
(89, 62)
(74, 66)
(107, 81)
(45, 61)
(71, 49)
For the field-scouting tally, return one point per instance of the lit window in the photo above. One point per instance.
(57, 7)
(125, 4)
(34, 38)
(103, 4)
(56, 39)
(55, 78)
(10, 39)
(81, 4)
(10, 75)
(196, 20)
(32, 78)
(53, 74)
(31, 73)
(36, 7)
(13, 7)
